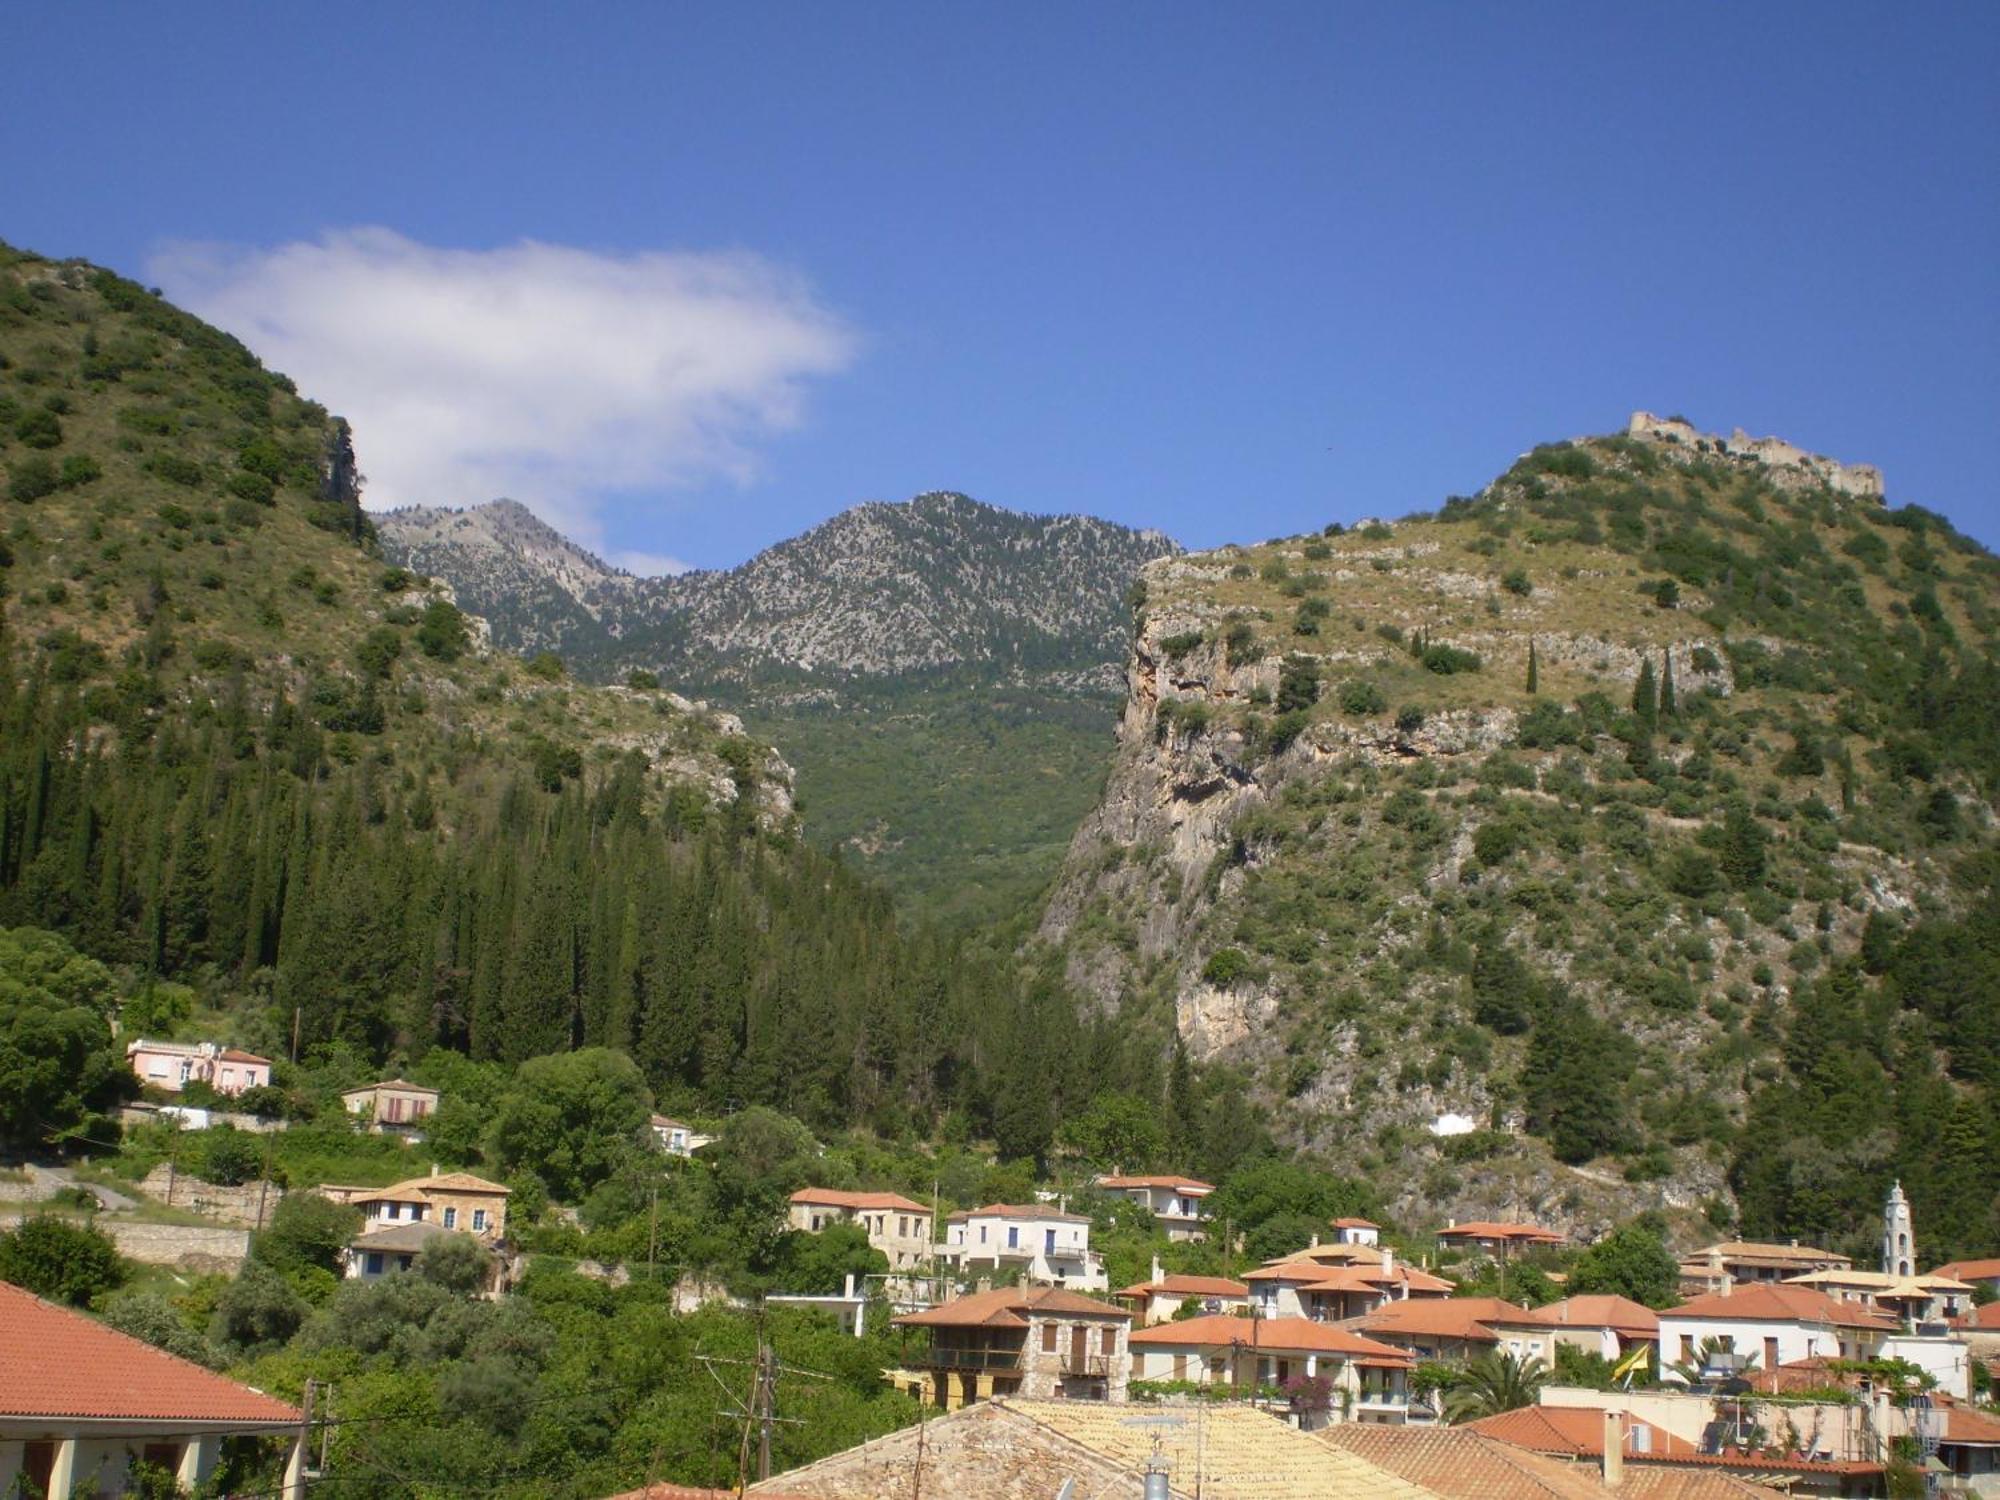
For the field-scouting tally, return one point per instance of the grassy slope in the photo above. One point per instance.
(275, 596)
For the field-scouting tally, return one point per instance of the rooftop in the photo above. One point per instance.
(1490, 1229)
(398, 1239)
(1459, 1464)
(839, 1198)
(403, 1084)
(1179, 1184)
(1018, 1211)
(1785, 1303)
(59, 1363)
(1601, 1310)
(1467, 1318)
(1757, 1252)
(1187, 1286)
(1578, 1432)
(1970, 1270)
(1010, 1307)
(437, 1182)
(1222, 1331)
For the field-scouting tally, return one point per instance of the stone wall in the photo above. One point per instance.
(231, 1205)
(193, 1247)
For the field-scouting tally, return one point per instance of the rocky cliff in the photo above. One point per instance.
(1616, 752)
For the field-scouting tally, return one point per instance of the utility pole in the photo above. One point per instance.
(767, 1382)
(297, 1010)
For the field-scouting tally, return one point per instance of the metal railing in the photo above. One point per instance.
(970, 1359)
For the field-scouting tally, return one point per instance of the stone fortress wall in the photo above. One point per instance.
(1790, 465)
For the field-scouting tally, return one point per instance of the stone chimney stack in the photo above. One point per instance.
(1159, 1272)
(436, 1169)
(1614, 1448)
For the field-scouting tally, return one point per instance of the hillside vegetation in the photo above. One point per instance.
(241, 750)
(942, 673)
(1640, 807)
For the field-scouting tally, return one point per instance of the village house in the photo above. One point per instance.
(1772, 1325)
(1455, 1329)
(1040, 1242)
(456, 1201)
(1369, 1379)
(375, 1253)
(1165, 1297)
(1332, 1283)
(897, 1226)
(1356, 1232)
(1910, 1300)
(394, 1105)
(81, 1405)
(675, 1137)
(172, 1066)
(1497, 1240)
(1174, 1202)
(1738, 1261)
(1034, 1341)
(1601, 1324)
(1974, 1273)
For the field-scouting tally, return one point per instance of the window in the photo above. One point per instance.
(1770, 1354)
(982, 1234)
(451, 1218)
(371, 1262)
(903, 1225)
(392, 1210)
(1013, 1236)
(1049, 1241)
(478, 1219)
(1048, 1338)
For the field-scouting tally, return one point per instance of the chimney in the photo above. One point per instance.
(1159, 1272)
(984, 1284)
(435, 1169)
(1614, 1448)
(1315, 1243)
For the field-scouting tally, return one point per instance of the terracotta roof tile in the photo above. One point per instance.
(1019, 1211)
(59, 1363)
(1008, 1307)
(1187, 1286)
(444, 1182)
(1179, 1184)
(1601, 1310)
(1578, 1432)
(1459, 1464)
(1466, 1318)
(838, 1198)
(1970, 1270)
(1221, 1330)
(1489, 1229)
(1782, 1303)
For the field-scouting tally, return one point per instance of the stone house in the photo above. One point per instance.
(172, 1066)
(395, 1104)
(1455, 1329)
(457, 1201)
(897, 1226)
(1165, 1297)
(1034, 1341)
(1330, 1283)
(81, 1404)
(1491, 1238)
(1713, 1267)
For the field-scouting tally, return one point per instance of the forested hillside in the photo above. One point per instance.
(941, 672)
(238, 748)
(1640, 807)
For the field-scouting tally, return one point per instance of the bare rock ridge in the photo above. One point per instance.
(934, 583)
(1787, 465)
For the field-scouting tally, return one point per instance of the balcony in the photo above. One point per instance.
(950, 1358)
(1095, 1366)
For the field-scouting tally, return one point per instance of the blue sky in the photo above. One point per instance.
(1231, 271)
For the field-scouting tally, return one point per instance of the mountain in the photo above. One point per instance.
(1636, 813)
(943, 673)
(242, 751)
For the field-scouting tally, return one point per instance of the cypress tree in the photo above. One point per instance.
(1534, 675)
(1646, 697)
(1669, 707)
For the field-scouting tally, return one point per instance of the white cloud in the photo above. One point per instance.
(567, 379)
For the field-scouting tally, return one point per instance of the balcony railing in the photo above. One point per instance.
(1096, 1365)
(948, 1358)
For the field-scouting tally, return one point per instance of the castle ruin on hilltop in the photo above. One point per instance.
(1790, 466)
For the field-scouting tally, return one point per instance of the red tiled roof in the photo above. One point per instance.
(1459, 1464)
(1355, 1224)
(1577, 1431)
(692, 1492)
(1008, 1307)
(1601, 1310)
(1446, 1317)
(1984, 1319)
(1487, 1229)
(837, 1198)
(1780, 1304)
(1221, 1330)
(1963, 1425)
(59, 1363)
(1179, 1184)
(236, 1054)
(1188, 1286)
(1970, 1270)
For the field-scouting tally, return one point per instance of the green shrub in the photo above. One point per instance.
(247, 484)
(1409, 718)
(1298, 684)
(175, 469)
(1360, 696)
(1224, 967)
(1515, 581)
(40, 428)
(31, 478)
(547, 666)
(1177, 646)
(1448, 661)
(443, 635)
(80, 469)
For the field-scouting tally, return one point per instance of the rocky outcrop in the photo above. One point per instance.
(1787, 465)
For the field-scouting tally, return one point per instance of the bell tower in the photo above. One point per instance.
(1899, 1235)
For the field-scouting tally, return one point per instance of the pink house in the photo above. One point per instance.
(174, 1065)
